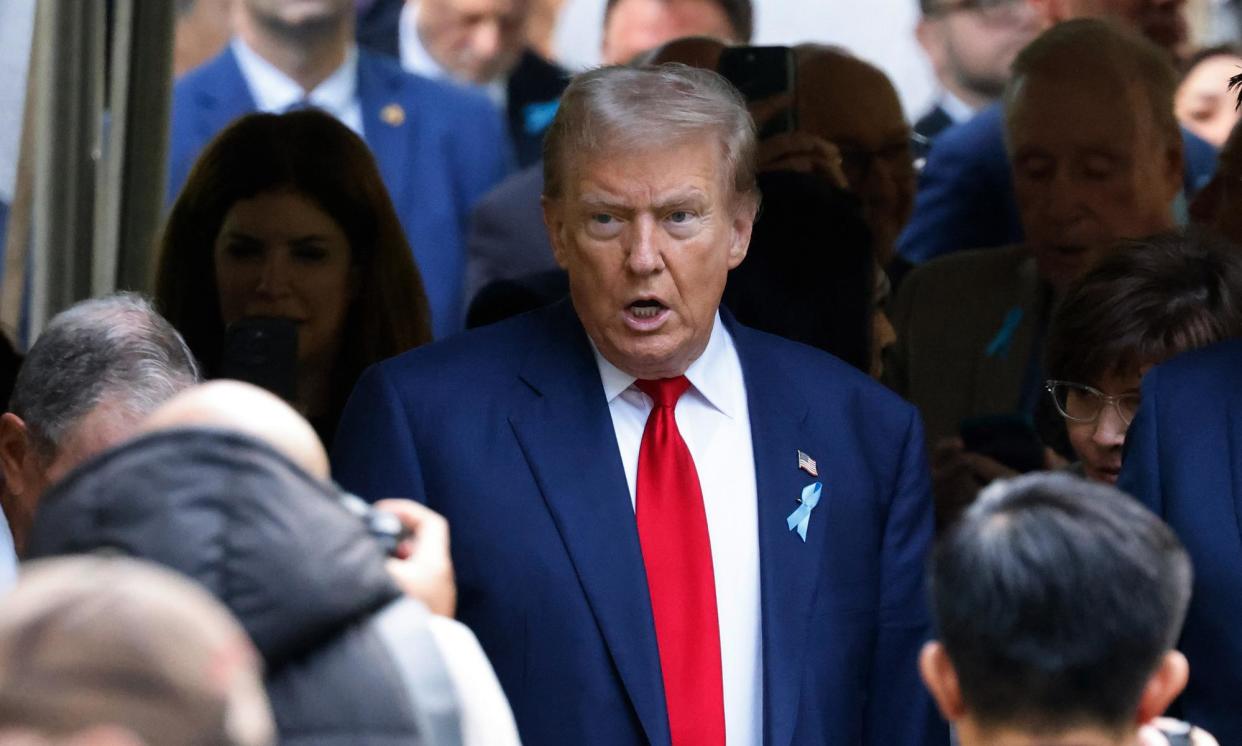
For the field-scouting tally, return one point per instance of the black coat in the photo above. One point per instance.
(275, 546)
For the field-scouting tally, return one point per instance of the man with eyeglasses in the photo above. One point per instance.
(970, 44)
(965, 197)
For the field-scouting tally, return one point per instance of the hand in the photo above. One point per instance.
(958, 475)
(423, 568)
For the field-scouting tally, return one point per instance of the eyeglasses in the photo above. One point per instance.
(856, 163)
(1079, 402)
(989, 11)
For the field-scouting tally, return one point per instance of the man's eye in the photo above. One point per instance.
(680, 216)
(602, 218)
(1099, 166)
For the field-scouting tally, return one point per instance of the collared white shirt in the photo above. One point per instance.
(416, 59)
(714, 420)
(274, 92)
(958, 110)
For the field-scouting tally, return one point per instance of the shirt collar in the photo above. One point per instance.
(416, 58)
(711, 375)
(957, 109)
(275, 92)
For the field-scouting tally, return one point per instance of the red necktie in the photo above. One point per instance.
(677, 553)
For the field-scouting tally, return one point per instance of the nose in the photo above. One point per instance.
(1110, 429)
(644, 254)
(274, 278)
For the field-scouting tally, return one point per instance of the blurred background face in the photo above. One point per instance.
(298, 15)
(1204, 104)
(1219, 204)
(648, 239)
(279, 255)
(1162, 21)
(635, 26)
(1085, 175)
(475, 40)
(855, 107)
(972, 45)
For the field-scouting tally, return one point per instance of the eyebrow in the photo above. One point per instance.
(692, 195)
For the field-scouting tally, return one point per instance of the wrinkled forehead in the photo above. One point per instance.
(698, 158)
(1094, 103)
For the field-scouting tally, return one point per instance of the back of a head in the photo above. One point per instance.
(1088, 51)
(1147, 301)
(115, 348)
(1056, 599)
(90, 641)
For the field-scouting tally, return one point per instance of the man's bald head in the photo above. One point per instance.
(246, 409)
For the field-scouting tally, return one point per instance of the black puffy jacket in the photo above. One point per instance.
(349, 660)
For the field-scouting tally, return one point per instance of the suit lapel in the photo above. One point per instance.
(386, 119)
(1001, 366)
(788, 567)
(222, 97)
(565, 418)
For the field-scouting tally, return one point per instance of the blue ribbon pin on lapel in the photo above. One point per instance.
(801, 518)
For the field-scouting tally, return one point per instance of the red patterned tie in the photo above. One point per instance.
(677, 553)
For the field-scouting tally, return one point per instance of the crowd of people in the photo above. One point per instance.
(481, 403)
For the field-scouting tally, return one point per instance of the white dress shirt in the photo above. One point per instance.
(416, 59)
(486, 719)
(714, 421)
(274, 92)
(958, 110)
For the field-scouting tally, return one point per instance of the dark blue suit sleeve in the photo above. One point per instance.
(1140, 470)
(373, 454)
(899, 710)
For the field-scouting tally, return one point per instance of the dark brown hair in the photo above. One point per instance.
(1147, 301)
(313, 155)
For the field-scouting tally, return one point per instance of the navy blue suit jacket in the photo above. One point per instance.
(1184, 461)
(966, 199)
(445, 150)
(506, 431)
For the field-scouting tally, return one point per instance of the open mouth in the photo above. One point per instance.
(646, 314)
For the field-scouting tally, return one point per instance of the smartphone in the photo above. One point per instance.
(1008, 438)
(763, 72)
(262, 351)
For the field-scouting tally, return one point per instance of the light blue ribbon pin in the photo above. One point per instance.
(537, 117)
(1000, 344)
(801, 518)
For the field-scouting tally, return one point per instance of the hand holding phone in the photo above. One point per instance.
(264, 352)
(761, 73)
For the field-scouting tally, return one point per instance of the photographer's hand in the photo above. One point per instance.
(423, 568)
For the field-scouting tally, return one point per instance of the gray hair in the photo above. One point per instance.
(116, 348)
(1068, 48)
(617, 108)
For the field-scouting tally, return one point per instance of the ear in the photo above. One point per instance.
(1163, 687)
(743, 226)
(14, 450)
(554, 221)
(941, 681)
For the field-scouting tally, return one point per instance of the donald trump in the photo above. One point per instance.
(668, 528)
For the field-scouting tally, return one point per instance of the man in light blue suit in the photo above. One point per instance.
(667, 528)
(439, 147)
(1184, 461)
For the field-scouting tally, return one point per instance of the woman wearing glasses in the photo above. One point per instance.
(1150, 300)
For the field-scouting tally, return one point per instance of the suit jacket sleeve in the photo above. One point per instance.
(373, 454)
(1140, 472)
(899, 710)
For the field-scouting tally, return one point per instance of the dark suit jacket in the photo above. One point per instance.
(439, 149)
(947, 315)
(507, 237)
(506, 431)
(533, 88)
(965, 198)
(1184, 461)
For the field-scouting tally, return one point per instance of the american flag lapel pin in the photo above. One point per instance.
(807, 464)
